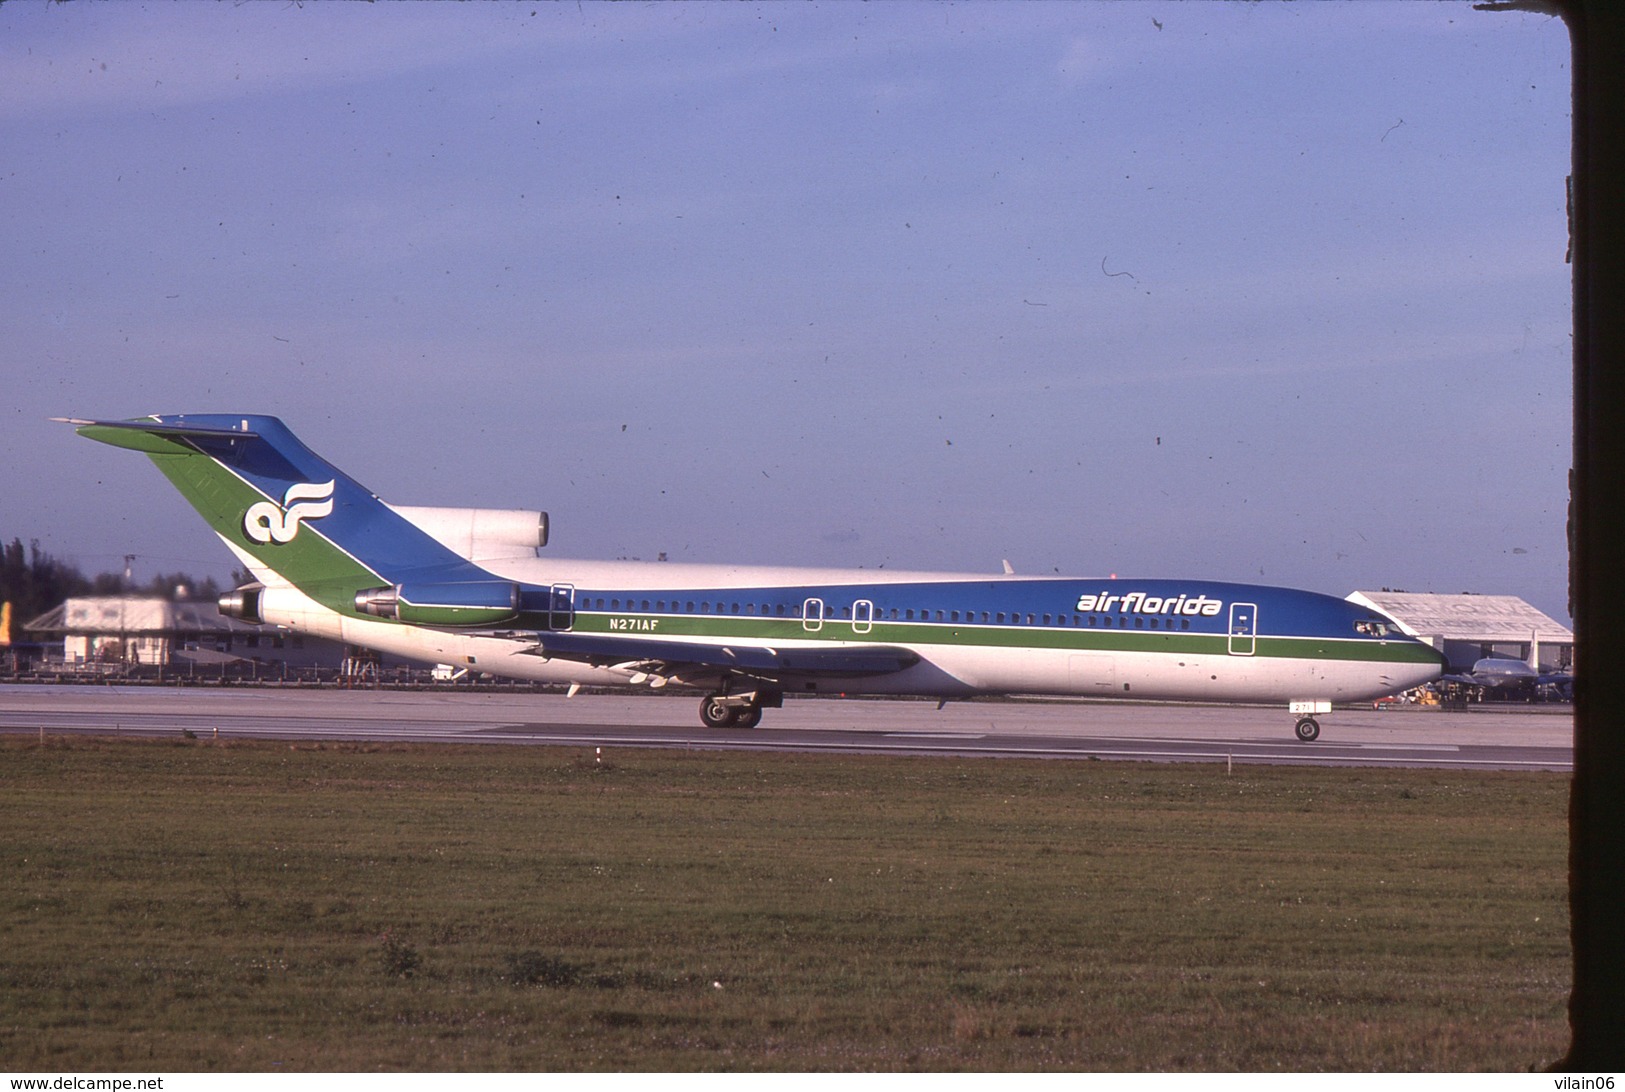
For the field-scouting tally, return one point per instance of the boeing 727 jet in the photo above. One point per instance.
(466, 587)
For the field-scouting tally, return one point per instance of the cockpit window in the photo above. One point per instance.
(1372, 627)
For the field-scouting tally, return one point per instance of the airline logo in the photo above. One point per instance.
(266, 522)
(1140, 603)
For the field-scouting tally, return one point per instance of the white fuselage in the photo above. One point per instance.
(945, 669)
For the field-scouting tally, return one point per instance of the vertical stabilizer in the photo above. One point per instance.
(288, 514)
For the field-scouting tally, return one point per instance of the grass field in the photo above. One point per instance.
(184, 905)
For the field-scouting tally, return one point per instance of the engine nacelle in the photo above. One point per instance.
(481, 534)
(281, 605)
(243, 604)
(468, 603)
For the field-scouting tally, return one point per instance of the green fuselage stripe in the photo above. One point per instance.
(1068, 638)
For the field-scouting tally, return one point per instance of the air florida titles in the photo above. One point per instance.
(1140, 603)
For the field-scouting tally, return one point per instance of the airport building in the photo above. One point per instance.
(1467, 628)
(152, 632)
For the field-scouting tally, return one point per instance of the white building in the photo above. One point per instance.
(117, 629)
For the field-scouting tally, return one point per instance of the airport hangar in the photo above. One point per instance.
(1468, 628)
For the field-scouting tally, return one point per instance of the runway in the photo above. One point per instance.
(1536, 738)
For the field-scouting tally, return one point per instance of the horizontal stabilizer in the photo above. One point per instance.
(152, 436)
(160, 428)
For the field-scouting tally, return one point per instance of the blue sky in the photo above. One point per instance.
(1267, 292)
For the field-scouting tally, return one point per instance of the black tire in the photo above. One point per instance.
(748, 717)
(713, 714)
(1308, 729)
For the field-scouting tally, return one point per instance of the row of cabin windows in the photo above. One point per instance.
(780, 610)
(661, 606)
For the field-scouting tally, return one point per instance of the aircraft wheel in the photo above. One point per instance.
(748, 717)
(1308, 729)
(714, 714)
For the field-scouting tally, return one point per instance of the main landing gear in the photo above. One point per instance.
(724, 710)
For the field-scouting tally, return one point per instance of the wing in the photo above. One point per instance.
(774, 665)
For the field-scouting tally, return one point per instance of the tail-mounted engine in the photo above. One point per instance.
(243, 604)
(470, 603)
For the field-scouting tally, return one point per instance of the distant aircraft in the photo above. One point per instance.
(465, 587)
(1496, 671)
(1505, 673)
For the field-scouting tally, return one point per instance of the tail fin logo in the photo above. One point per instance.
(266, 522)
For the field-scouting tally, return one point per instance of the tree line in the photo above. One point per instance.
(33, 582)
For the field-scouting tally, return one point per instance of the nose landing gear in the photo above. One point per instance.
(1308, 728)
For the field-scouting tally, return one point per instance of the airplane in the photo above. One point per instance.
(1496, 672)
(466, 587)
(1505, 673)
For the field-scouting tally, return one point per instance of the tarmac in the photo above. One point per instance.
(1508, 736)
